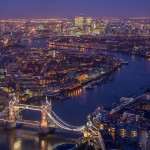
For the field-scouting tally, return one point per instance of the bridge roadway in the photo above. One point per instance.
(34, 123)
(28, 122)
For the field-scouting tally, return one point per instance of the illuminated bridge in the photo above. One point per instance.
(131, 102)
(11, 118)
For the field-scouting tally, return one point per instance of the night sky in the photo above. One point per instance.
(72, 8)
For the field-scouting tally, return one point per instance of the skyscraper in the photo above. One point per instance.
(98, 27)
(88, 25)
(89, 21)
(79, 22)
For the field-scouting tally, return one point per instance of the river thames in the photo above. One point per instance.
(131, 79)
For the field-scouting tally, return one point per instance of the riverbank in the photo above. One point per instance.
(99, 80)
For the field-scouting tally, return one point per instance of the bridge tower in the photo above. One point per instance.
(49, 105)
(11, 111)
(44, 122)
(44, 128)
(11, 123)
(46, 108)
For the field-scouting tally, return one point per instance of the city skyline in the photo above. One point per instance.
(75, 74)
(69, 9)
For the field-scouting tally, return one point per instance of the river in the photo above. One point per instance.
(130, 80)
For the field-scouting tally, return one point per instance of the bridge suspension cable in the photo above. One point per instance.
(77, 129)
(64, 123)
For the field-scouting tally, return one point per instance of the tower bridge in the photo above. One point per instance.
(11, 118)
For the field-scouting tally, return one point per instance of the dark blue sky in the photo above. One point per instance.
(71, 8)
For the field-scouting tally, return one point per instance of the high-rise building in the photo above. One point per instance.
(79, 22)
(89, 21)
(88, 25)
(88, 29)
(98, 27)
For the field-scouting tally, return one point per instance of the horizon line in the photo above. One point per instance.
(140, 17)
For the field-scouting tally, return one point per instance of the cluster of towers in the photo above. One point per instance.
(88, 26)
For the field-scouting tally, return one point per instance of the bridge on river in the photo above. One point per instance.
(11, 118)
(131, 102)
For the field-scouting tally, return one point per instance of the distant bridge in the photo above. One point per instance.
(131, 102)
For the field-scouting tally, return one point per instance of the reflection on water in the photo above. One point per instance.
(75, 93)
(23, 140)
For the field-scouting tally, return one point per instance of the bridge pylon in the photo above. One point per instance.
(44, 128)
(44, 121)
(48, 105)
(11, 123)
